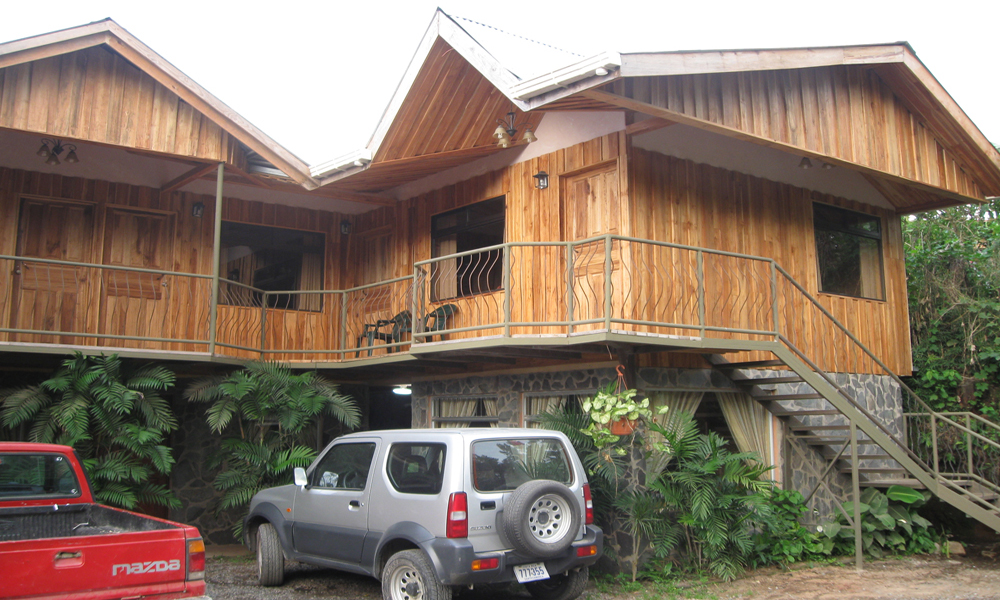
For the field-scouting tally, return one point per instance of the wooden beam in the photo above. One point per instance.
(650, 109)
(648, 125)
(182, 180)
(254, 180)
(11, 55)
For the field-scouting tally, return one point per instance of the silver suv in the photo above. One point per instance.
(427, 509)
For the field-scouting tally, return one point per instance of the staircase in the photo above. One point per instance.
(905, 449)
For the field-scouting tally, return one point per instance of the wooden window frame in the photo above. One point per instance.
(878, 237)
(439, 289)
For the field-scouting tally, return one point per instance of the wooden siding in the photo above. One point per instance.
(687, 203)
(95, 95)
(844, 112)
(125, 217)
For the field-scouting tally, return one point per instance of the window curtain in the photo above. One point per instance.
(456, 408)
(871, 269)
(749, 422)
(678, 402)
(492, 409)
(311, 278)
(540, 405)
(444, 273)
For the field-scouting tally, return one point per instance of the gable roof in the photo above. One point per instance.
(109, 34)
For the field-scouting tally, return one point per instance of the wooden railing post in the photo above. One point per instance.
(263, 324)
(934, 442)
(213, 316)
(607, 283)
(701, 291)
(343, 325)
(569, 286)
(506, 290)
(968, 443)
(774, 297)
(856, 485)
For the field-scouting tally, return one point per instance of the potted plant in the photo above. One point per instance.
(616, 409)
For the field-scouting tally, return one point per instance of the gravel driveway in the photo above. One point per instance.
(976, 576)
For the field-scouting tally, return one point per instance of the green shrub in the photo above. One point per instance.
(782, 539)
(889, 524)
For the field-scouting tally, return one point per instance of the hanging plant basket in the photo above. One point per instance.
(622, 426)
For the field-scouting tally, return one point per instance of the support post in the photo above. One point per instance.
(607, 283)
(774, 298)
(569, 286)
(701, 292)
(968, 445)
(263, 324)
(934, 443)
(859, 559)
(343, 327)
(506, 290)
(213, 317)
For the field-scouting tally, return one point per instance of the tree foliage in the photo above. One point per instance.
(264, 410)
(113, 415)
(953, 270)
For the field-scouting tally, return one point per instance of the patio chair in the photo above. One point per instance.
(437, 320)
(401, 323)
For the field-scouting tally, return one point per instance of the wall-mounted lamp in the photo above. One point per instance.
(402, 389)
(827, 166)
(345, 227)
(197, 210)
(541, 180)
(805, 163)
(51, 155)
(507, 129)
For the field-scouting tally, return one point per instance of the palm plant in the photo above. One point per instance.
(113, 415)
(265, 408)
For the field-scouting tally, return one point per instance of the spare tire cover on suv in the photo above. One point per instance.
(541, 518)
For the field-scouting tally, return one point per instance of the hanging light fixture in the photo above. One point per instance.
(507, 129)
(402, 389)
(51, 155)
(805, 163)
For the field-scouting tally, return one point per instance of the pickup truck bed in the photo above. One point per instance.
(38, 522)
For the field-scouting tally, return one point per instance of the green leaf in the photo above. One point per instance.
(899, 493)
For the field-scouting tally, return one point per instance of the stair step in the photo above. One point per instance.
(768, 380)
(749, 365)
(798, 427)
(825, 440)
(808, 412)
(887, 483)
(780, 397)
(847, 456)
(847, 470)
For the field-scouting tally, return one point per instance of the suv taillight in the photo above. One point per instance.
(458, 515)
(588, 503)
(195, 559)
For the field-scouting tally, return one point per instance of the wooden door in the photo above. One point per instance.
(136, 304)
(49, 297)
(592, 208)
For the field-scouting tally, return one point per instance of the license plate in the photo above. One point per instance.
(532, 572)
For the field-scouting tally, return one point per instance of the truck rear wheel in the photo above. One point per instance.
(566, 586)
(270, 558)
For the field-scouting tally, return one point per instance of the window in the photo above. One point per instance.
(466, 411)
(416, 468)
(538, 405)
(271, 259)
(344, 467)
(849, 252)
(501, 465)
(37, 475)
(469, 228)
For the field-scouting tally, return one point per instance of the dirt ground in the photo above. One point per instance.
(976, 575)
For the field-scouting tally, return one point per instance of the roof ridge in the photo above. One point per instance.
(518, 36)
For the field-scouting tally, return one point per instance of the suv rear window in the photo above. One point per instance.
(416, 468)
(36, 475)
(501, 465)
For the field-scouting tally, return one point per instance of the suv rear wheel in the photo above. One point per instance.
(542, 518)
(566, 586)
(409, 575)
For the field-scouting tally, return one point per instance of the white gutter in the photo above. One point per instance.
(351, 160)
(589, 67)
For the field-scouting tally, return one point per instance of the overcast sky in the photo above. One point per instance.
(316, 76)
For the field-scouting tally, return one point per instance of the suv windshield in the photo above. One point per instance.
(501, 465)
(36, 475)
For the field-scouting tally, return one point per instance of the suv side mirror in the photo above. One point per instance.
(300, 477)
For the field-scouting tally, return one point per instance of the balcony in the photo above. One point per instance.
(607, 289)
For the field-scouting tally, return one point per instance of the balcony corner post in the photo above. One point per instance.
(569, 287)
(213, 318)
(774, 299)
(343, 326)
(263, 325)
(506, 290)
(701, 291)
(607, 282)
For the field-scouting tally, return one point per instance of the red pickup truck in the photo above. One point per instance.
(56, 543)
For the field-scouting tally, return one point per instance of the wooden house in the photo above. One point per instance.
(726, 225)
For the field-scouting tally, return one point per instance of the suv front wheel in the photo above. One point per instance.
(542, 518)
(409, 575)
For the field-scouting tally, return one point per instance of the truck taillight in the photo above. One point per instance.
(458, 515)
(195, 559)
(588, 503)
